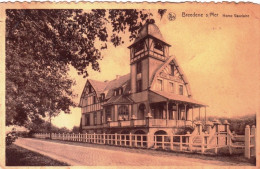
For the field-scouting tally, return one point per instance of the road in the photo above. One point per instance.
(77, 155)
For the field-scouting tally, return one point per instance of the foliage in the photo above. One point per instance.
(42, 44)
(237, 124)
(44, 127)
(75, 129)
(162, 12)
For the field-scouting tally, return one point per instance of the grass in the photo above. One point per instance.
(224, 156)
(17, 156)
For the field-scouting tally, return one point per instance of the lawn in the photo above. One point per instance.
(17, 156)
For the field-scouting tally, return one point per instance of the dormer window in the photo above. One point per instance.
(118, 91)
(158, 45)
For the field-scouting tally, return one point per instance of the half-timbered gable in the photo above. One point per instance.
(170, 78)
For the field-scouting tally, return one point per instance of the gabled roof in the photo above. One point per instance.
(98, 85)
(108, 87)
(172, 59)
(121, 99)
(149, 29)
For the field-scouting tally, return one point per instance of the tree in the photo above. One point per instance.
(42, 44)
(75, 129)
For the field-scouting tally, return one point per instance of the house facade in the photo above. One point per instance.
(154, 98)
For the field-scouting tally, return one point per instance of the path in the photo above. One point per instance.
(88, 156)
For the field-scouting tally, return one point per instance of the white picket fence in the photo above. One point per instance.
(185, 143)
(203, 143)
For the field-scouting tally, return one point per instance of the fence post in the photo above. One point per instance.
(125, 140)
(120, 139)
(189, 141)
(202, 144)
(253, 140)
(130, 139)
(163, 146)
(155, 141)
(104, 138)
(247, 141)
(94, 137)
(171, 142)
(115, 138)
(135, 141)
(142, 141)
(180, 143)
(229, 136)
(216, 146)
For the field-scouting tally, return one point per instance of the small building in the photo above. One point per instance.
(155, 97)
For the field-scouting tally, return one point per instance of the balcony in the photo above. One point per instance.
(169, 123)
(113, 124)
(125, 123)
(140, 123)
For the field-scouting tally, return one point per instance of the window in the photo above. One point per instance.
(139, 46)
(101, 117)
(172, 70)
(87, 120)
(89, 89)
(94, 100)
(158, 45)
(160, 84)
(108, 113)
(123, 112)
(171, 87)
(139, 85)
(139, 67)
(118, 91)
(181, 89)
(95, 118)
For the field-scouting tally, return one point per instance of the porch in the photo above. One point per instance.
(169, 109)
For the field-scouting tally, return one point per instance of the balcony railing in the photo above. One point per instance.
(113, 124)
(138, 122)
(125, 123)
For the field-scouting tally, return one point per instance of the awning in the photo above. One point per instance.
(174, 97)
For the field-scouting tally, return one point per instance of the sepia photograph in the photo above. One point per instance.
(129, 84)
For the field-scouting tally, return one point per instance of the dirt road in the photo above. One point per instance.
(88, 156)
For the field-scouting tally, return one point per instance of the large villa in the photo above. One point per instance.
(154, 98)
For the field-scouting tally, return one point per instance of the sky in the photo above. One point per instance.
(220, 57)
